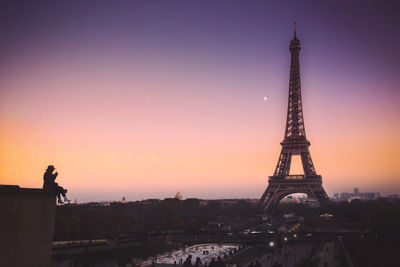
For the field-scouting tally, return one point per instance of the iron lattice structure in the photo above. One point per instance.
(295, 142)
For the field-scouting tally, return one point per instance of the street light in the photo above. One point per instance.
(271, 243)
(295, 249)
(285, 252)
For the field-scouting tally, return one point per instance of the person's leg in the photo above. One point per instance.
(59, 192)
(59, 199)
(62, 192)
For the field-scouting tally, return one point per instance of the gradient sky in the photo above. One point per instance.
(140, 98)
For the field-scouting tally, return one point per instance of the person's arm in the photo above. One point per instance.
(54, 176)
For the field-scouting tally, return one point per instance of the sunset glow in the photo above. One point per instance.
(176, 101)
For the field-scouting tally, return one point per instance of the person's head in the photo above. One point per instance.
(50, 168)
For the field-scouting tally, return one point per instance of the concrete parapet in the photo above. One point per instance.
(26, 226)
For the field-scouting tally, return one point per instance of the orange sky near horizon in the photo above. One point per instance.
(138, 145)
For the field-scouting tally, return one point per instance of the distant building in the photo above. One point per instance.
(219, 226)
(392, 196)
(289, 227)
(288, 215)
(123, 200)
(178, 195)
(203, 203)
(356, 194)
(290, 199)
(326, 216)
(228, 202)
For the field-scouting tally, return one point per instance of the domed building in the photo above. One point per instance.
(178, 195)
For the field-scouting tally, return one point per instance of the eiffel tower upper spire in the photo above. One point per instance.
(295, 123)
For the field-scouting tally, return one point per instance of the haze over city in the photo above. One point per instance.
(138, 100)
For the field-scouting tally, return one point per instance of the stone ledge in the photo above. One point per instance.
(15, 189)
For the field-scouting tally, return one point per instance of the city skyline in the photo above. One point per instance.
(138, 101)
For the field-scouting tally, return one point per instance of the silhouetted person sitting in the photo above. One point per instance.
(49, 184)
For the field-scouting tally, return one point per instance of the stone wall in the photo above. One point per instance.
(26, 226)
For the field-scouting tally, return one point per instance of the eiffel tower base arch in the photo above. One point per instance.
(278, 189)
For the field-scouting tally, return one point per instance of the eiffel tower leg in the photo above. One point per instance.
(284, 162)
(269, 196)
(321, 196)
(263, 198)
(269, 203)
(318, 193)
(308, 165)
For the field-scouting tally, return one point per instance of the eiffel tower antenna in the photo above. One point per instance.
(294, 142)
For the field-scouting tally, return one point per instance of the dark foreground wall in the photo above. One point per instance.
(26, 226)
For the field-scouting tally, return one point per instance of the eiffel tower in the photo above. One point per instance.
(295, 142)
